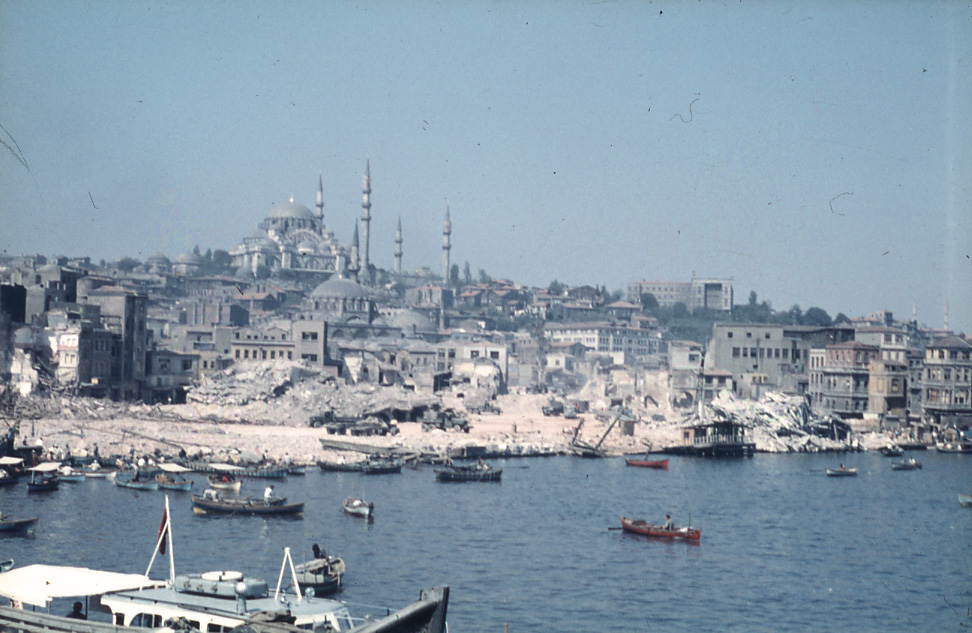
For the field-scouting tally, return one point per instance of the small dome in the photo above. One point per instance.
(291, 210)
(188, 258)
(256, 234)
(157, 259)
(340, 288)
(411, 321)
(265, 243)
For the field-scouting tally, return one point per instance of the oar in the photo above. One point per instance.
(615, 528)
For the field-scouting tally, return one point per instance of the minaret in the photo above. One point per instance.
(354, 266)
(446, 245)
(320, 199)
(398, 247)
(366, 217)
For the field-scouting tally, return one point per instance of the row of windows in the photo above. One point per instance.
(265, 337)
(748, 334)
(263, 354)
(937, 373)
(765, 352)
(945, 354)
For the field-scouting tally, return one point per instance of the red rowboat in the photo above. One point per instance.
(660, 464)
(637, 526)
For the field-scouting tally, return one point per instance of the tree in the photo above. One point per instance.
(454, 276)
(795, 315)
(648, 302)
(753, 299)
(556, 288)
(467, 274)
(483, 277)
(841, 318)
(680, 310)
(817, 316)
(127, 264)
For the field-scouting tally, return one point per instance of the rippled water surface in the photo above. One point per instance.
(783, 547)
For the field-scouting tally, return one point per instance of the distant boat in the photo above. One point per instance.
(17, 525)
(954, 447)
(842, 472)
(965, 500)
(480, 472)
(43, 477)
(637, 526)
(70, 475)
(209, 502)
(127, 480)
(341, 467)
(321, 575)
(382, 467)
(658, 464)
(359, 508)
(227, 483)
(906, 464)
(892, 451)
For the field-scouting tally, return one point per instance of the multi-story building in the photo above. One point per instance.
(603, 337)
(708, 294)
(947, 391)
(169, 375)
(840, 378)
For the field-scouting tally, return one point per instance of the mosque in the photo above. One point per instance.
(293, 238)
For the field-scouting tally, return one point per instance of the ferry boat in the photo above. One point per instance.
(212, 602)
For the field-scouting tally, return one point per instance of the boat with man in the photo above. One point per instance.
(842, 472)
(639, 526)
(906, 464)
(43, 477)
(211, 502)
(479, 472)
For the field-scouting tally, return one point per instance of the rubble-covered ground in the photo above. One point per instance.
(263, 409)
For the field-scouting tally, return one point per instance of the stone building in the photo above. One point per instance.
(840, 378)
(947, 390)
(708, 294)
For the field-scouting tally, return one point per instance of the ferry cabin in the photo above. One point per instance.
(218, 601)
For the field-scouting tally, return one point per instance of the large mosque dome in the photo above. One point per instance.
(291, 210)
(338, 288)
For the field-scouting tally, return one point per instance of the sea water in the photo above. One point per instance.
(783, 547)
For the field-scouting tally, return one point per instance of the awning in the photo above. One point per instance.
(226, 467)
(39, 584)
(6, 460)
(46, 467)
(174, 468)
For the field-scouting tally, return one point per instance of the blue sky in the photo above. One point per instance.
(819, 153)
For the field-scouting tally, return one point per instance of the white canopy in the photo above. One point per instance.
(39, 584)
(174, 468)
(46, 467)
(226, 467)
(7, 460)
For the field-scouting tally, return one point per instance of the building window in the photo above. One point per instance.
(494, 355)
(246, 353)
(311, 357)
(729, 335)
(735, 352)
(237, 353)
(290, 355)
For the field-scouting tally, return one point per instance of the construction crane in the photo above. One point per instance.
(583, 449)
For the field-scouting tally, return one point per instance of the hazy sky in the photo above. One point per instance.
(819, 153)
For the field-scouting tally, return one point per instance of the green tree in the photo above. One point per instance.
(817, 316)
(648, 302)
(127, 264)
(454, 276)
(841, 318)
(556, 288)
(467, 274)
(483, 277)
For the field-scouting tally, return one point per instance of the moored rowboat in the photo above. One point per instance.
(637, 526)
(658, 464)
(841, 472)
(206, 504)
(965, 500)
(17, 525)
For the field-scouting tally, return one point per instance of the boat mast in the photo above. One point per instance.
(165, 538)
(293, 576)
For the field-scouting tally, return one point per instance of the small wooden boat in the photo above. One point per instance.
(842, 472)
(965, 500)
(341, 467)
(7, 478)
(382, 467)
(127, 480)
(17, 525)
(43, 477)
(637, 526)
(297, 470)
(226, 483)
(906, 464)
(479, 472)
(359, 508)
(210, 502)
(892, 451)
(95, 472)
(70, 475)
(167, 482)
(954, 447)
(658, 464)
(321, 575)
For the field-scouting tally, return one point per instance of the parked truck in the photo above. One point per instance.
(352, 425)
(444, 420)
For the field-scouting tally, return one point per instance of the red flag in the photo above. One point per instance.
(163, 530)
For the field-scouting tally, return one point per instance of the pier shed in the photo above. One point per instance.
(722, 438)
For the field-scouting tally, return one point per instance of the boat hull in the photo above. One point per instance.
(906, 465)
(839, 472)
(965, 500)
(637, 526)
(658, 464)
(201, 505)
(233, 485)
(358, 508)
(17, 525)
(468, 474)
(136, 485)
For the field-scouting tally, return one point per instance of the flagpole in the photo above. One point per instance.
(168, 521)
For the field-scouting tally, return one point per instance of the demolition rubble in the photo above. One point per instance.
(264, 411)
